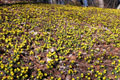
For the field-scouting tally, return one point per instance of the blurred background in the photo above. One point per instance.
(95, 3)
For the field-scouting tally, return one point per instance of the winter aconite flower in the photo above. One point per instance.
(58, 42)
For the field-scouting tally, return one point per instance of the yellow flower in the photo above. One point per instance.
(45, 74)
(70, 71)
(70, 66)
(31, 53)
(59, 79)
(96, 75)
(116, 77)
(4, 77)
(89, 78)
(72, 61)
(12, 74)
(17, 77)
(26, 75)
(32, 76)
(73, 78)
(1, 73)
(78, 78)
(2, 66)
(18, 63)
(119, 60)
(82, 75)
(42, 61)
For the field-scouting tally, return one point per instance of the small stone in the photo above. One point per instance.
(63, 77)
(77, 64)
(45, 79)
(116, 49)
(104, 49)
(47, 50)
(36, 57)
(68, 77)
(35, 33)
(61, 67)
(72, 57)
(81, 35)
(48, 59)
(84, 53)
(97, 49)
(31, 31)
(52, 49)
(61, 61)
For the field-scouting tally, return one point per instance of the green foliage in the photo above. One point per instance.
(51, 41)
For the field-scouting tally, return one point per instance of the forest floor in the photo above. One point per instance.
(59, 42)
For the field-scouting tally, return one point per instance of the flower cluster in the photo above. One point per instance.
(59, 42)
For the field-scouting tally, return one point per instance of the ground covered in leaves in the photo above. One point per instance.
(56, 42)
